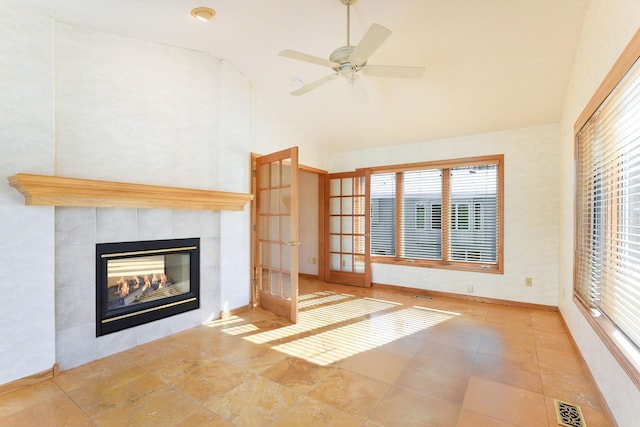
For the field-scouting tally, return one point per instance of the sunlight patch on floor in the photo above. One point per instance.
(322, 317)
(342, 342)
(321, 300)
(314, 295)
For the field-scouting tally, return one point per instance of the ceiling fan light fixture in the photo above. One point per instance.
(203, 13)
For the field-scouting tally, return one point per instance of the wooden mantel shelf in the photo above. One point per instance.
(42, 190)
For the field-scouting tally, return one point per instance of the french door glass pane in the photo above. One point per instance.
(264, 201)
(347, 224)
(347, 263)
(347, 186)
(334, 261)
(347, 244)
(275, 174)
(285, 227)
(334, 224)
(334, 243)
(285, 200)
(334, 187)
(334, 206)
(276, 284)
(347, 206)
(286, 285)
(274, 196)
(265, 172)
(266, 280)
(286, 173)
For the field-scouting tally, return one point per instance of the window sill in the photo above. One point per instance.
(623, 350)
(444, 265)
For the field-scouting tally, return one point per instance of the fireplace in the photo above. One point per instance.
(139, 282)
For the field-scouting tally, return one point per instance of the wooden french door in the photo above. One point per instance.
(277, 232)
(346, 229)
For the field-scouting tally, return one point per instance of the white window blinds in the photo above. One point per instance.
(608, 207)
(383, 214)
(421, 202)
(474, 213)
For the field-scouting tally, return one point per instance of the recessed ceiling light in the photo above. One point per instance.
(203, 13)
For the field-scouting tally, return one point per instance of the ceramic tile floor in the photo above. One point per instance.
(357, 357)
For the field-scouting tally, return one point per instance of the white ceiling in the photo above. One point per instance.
(491, 64)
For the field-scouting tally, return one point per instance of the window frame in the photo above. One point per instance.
(445, 215)
(621, 348)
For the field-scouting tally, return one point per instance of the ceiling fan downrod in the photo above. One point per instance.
(348, 4)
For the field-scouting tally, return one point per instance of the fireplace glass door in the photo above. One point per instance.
(139, 282)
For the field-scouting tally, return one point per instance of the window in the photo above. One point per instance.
(416, 199)
(607, 253)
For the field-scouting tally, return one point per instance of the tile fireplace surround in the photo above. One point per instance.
(77, 230)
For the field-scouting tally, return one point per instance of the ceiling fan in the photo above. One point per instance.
(348, 61)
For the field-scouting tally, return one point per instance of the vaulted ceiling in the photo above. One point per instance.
(490, 64)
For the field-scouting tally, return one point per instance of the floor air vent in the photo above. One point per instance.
(423, 297)
(569, 415)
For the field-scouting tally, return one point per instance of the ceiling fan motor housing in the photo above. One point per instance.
(341, 57)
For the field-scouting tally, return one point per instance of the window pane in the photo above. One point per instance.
(474, 213)
(421, 190)
(383, 218)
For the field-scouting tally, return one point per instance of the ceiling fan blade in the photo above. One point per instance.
(293, 54)
(372, 40)
(396, 71)
(357, 90)
(311, 86)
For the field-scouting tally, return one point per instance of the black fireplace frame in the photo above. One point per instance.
(113, 320)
